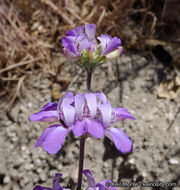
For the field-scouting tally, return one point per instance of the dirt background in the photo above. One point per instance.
(144, 79)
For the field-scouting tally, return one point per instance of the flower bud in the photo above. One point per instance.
(114, 54)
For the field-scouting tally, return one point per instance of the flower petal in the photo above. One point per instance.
(53, 142)
(68, 54)
(122, 142)
(68, 98)
(114, 54)
(79, 128)
(92, 185)
(67, 40)
(69, 113)
(65, 109)
(45, 133)
(83, 44)
(105, 113)
(90, 30)
(104, 39)
(49, 106)
(90, 178)
(92, 103)
(56, 185)
(101, 98)
(47, 114)
(79, 105)
(72, 48)
(79, 30)
(70, 33)
(92, 46)
(122, 113)
(68, 43)
(112, 45)
(95, 128)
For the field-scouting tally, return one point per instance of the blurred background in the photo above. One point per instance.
(145, 80)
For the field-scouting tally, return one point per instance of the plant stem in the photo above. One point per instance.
(83, 138)
(81, 161)
(88, 86)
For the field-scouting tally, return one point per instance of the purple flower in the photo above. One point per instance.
(93, 185)
(81, 46)
(79, 39)
(53, 136)
(109, 44)
(56, 185)
(84, 114)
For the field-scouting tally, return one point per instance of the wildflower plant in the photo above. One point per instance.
(86, 114)
(80, 46)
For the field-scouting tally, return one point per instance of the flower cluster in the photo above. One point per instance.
(83, 114)
(80, 46)
(92, 184)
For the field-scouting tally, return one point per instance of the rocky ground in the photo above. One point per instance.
(131, 82)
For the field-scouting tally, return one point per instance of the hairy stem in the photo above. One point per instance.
(88, 85)
(81, 161)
